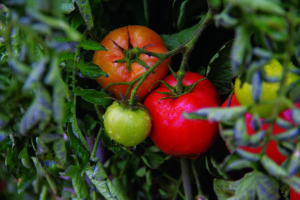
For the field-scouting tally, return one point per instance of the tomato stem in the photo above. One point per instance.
(185, 169)
(189, 46)
(93, 155)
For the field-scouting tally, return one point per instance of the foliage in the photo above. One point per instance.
(51, 119)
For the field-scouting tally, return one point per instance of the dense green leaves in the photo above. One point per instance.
(252, 186)
(51, 107)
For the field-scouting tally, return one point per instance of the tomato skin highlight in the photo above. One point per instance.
(126, 126)
(141, 37)
(175, 135)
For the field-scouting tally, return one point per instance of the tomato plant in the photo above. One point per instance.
(269, 90)
(173, 134)
(272, 150)
(127, 126)
(124, 63)
(58, 124)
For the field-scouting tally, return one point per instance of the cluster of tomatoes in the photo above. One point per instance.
(160, 116)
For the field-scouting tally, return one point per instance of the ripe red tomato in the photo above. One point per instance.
(120, 41)
(272, 150)
(175, 135)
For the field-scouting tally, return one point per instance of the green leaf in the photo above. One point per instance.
(59, 147)
(93, 96)
(274, 169)
(78, 181)
(86, 12)
(92, 45)
(25, 181)
(89, 124)
(5, 144)
(225, 115)
(36, 74)
(67, 6)
(78, 148)
(257, 184)
(265, 6)
(253, 186)
(141, 172)
(225, 189)
(241, 49)
(20, 69)
(90, 70)
(176, 39)
(99, 178)
(39, 113)
(219, 69)
(58, 101)
(53, 182)
(153, 157)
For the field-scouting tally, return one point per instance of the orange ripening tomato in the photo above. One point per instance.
(120, 59)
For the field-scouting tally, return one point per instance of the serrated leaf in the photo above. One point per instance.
(90, 70)
(257, 184)
(225, 115)
(93, 96)
(86, 12)
(225, 189)
(60, 150)
(78, 148)
(92, 45)
(36, 74)
(99, 178)
(220, 69)
(176, 39)
(54, 185)
(78, 181)
(39, 113)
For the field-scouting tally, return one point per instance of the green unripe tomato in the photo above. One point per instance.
(127, 126)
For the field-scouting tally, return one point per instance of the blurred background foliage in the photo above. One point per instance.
(51, 106)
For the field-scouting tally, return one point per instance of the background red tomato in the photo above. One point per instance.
(272, 150)
(175, 135)
(141, 37)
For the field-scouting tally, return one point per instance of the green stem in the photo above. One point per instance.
(143, 77)
(146, 11)
(94, 195)
(186, 178)
(186, 47)
(197, 178)
(93, 155)
(189, 46)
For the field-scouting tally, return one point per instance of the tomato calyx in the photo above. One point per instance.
(132, 54)
(174, 94)
(135, 106)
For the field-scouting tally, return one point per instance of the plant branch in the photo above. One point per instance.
(186, 178)
(93, 155)
(189, 46)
